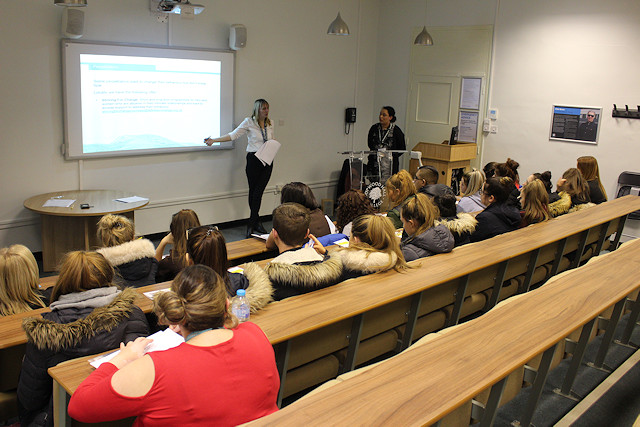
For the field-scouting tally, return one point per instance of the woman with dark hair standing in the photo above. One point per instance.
(385, 135)
(259, 130)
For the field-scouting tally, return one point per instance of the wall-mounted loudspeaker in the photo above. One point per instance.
(237, 36)
(72, 22)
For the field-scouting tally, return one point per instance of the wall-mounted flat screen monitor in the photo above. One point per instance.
(123, 100)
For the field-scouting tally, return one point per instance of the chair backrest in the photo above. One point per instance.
(629, 183)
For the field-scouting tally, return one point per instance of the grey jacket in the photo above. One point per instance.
(435, 240)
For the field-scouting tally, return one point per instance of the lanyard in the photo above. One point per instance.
(382, 138)
(264, 133)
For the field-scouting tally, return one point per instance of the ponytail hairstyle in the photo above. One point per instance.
(181, 222)
(535, 201)
(545, 177)
(508, 169)
(575, 185)
(588, 166)
(197, 301)
(114, 230)
(206, 246)
(377, 234)
(474, 181)
(421, 210)
(391, 112)
(81, 271)
(499, 188)
(400, 181)
(257, 105)
(18, 280)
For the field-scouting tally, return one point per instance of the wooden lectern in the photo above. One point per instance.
(445, 158)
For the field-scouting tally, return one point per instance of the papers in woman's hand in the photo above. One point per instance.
(267, 151)
(162, 340)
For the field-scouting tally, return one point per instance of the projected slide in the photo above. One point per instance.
(131, 100)
(131, 103)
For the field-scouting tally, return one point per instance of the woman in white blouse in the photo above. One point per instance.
(259, 130)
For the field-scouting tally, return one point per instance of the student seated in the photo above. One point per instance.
(471, 192)
(461, 225)
(499, 217)
(535, 200)
(373, 248)
(19, 281)
(297, 192)
(426, 182)
(89, 315)
(400, 189)
(545, 178)
(171, 265)
(223, 374)
(351, 205)
(134, 261)
(206, 246)
(298, 270)
(421, 237)
(509, 169)
(588, 167)
(572, 194)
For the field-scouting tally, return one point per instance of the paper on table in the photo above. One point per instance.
(150, 294)
(58, 203)
(162, 340)
(261, 236)
(267, 152)
(132, 199)
(342, 242)
(235, 269)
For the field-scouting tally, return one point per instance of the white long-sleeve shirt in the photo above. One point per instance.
(254, 135)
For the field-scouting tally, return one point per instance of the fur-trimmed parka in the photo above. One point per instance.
(256, 283)
(77, 329)
(461, 226)
(298, 278)
(134, 261)
(359, 262)
(566, 205)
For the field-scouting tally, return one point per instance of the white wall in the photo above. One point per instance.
(307, 76)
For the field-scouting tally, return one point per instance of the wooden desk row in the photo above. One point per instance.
(443, 279)
(426, 382)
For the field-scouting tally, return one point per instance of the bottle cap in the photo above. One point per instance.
(241, 292)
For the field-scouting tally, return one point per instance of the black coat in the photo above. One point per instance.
(66, 334)
(496, 219)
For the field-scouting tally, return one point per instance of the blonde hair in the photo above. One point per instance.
(257, 105)
(377, 234)
(197, 301)
(536, 200)
(81, 271)
(588, 166)
(422, 210)
(18, 280)
(474, 180)
(114, 230)
(400, 181)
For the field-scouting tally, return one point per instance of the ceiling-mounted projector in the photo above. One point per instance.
(176, 6)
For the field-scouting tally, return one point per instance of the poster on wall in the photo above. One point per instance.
(467, 126)
(575, 124)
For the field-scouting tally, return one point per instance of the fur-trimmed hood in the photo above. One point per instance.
(581, 206)
(561, 206)
(366, 262)
(259, 292)
(298, 278)
(128, 252)
(47, 334)
(462, 223)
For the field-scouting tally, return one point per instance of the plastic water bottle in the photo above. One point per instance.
(240, 305)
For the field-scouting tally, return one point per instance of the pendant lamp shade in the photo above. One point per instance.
(70, 2)
(338, 27)
(424, 38)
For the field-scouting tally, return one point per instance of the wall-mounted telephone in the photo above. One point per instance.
(349, 117)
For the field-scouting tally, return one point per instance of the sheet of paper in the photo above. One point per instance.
(58, 203)
(150, 294)
(235, 270)
(267, 152)
(162, 340)
(132, 199)
(342, 242)
(261, 236)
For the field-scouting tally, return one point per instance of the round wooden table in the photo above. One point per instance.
(71, 228)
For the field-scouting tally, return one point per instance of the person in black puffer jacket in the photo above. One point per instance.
(420, 237)
(134, 261)
(88, 315)
(499, 216)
